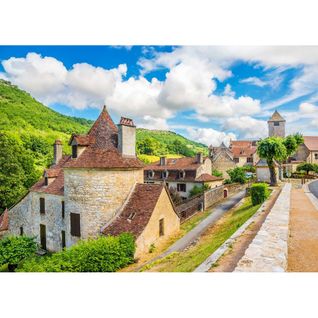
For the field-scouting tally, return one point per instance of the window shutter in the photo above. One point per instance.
(75, 224)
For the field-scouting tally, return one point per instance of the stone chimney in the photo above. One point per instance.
(127, 137)
(58, 151)
(163, 161)
(199, 157)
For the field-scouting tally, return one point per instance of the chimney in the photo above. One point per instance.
(127, 137)
(57, 151)
(163, 161)
(199, 157)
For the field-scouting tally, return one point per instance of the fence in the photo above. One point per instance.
(206, 200)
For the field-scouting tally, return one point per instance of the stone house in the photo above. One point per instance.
(79, 194)
(262, 171)
(308, 151)
(183, 174)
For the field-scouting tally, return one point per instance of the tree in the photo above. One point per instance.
(149, 146)
(271, 149)
(237, 175)
(292, 143)
(199, 190)
(14, 249)
(217, 173)
(306, 166)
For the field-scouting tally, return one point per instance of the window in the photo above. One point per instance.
(249, 159)
(74, 151)
(150, 174)
(181, 187)
(276, 123)
(42, 205)
(236, 160)
(164, 174)
(75, 224)
(46, 181)
(43, 236)
(21, 230)
(161, 227)
(63, 209)
(63, 239)
(316, 155)
(181, 174)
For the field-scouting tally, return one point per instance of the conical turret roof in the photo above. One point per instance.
(276, 117)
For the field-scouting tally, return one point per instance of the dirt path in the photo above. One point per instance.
(303, 237)
(229, 260)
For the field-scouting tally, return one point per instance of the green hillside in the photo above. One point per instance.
(28, 130)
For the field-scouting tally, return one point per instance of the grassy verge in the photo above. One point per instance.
(213, 238)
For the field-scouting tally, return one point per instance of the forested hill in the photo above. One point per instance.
(28, 130)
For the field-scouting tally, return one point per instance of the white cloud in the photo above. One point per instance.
(150, 122)
(307, 108)
(248, 127)
(254, 81)
(209, 136)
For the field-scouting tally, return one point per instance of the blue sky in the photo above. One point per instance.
(209, 94)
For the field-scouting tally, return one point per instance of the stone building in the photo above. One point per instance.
(276, 125)
(262, 171)
(182, 173)
(79, 194)
(308, 151)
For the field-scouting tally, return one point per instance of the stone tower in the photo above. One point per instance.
(276, 125)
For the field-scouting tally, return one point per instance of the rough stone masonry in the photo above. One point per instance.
(268, 251)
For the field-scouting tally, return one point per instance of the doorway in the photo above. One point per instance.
(43, 236)
(225, 193)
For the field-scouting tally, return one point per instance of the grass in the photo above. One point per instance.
(191, 223)
(151, 158)
(210, 241)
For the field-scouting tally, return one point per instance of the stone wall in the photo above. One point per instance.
(190, 207)
(150, 235)
(223, 163)
(97, 195)
(278, 131)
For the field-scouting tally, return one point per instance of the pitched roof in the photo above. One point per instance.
(4, 220)
(311, 142)
(137, 212)
(101, 150)
(243, 148)
(185, 163)
(206, 177)
(276, 117)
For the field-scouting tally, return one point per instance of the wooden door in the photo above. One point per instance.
(43, 236)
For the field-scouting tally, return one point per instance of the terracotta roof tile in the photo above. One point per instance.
(185, 163)
(4, 220)
(137, 212)
(205, 177)
(243, 148)
(126, 121)
(311, 142)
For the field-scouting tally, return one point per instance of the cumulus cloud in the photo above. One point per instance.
(248, 127)
(210, 136)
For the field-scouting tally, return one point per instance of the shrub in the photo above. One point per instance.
(307, 167)
(198, 190)
(14, 249)
(105, 254)
(259, 193)
(217, 173)
(237, 175)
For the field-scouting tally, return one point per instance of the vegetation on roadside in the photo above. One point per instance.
(199, 190)
(307, 167)
(213, 238)
(259, 193)
(217, 173)
(237, 175)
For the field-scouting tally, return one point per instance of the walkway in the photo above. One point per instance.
(268, 250)
(191, 236)
(303, 238)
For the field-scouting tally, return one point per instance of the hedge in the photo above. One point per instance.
(105, 254)
(259, 193)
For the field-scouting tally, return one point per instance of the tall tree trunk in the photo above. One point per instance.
(272, 172)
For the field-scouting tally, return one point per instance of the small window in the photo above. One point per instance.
(161, 227)
(150, 174)
(131, 216)
(276, 123)
(181, 187)
(249, 159)
(75, 224)
(42, 205)
(21, 230)
(316, 155)
(63, 209)
(74, 151)
(63, 239)
(236, 160)
(46, 181)
(164, 174)
(181, 174)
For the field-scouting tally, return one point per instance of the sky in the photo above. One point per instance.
(209, 94)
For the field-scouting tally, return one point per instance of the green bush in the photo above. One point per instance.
(237, 175)
(217, 173)
(198, 190)
(259, 193)
(14, 249)
(105, 254)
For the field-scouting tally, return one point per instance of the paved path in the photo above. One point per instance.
(268, 250)
(303, 226)
(191, 236)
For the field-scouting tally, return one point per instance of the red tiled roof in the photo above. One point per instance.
(243, 148)
(81, 140)
(52, 172)
(126, 121)
(102, 151)
(137, 212)
(4, 220)
(205, 177)
(185, 163)
(311, 142)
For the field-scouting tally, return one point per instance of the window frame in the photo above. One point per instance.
(42, 205)
(161, 227)
(75, 228)
(181, 186)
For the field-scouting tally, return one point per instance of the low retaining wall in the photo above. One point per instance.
(269, 250)
(206, 200)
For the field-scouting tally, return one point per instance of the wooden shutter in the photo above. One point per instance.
(75, 224)
(42, 205)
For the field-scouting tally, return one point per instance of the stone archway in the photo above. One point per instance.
(225, 193)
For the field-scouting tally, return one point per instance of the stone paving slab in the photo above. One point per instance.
(269, 249)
